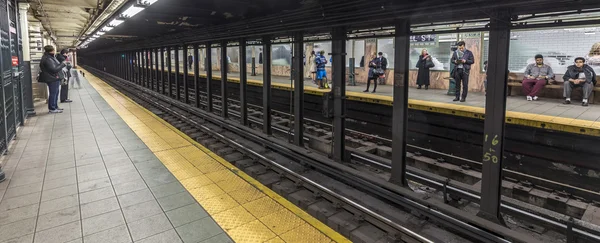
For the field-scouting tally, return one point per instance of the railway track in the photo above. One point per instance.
(271, 175)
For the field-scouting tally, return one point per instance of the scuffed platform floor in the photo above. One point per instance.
(107, 170)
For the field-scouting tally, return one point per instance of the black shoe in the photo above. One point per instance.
(426, 87)
(456, 99)
(366, 90)
(419, 87)
(584, 104)
(373, 91)
(567, 102)
(66, 101)
(463, 100)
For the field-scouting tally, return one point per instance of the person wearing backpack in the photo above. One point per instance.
(50, 68)
(64, 85)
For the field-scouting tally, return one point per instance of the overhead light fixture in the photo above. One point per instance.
(149, 2)
(589, 33)
(107, 28)
(116, 22)
(100, 32)
(132, 11)
(96, 36)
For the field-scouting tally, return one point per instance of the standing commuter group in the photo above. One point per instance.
(55, 71)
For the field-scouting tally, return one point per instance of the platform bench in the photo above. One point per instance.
(517, 83)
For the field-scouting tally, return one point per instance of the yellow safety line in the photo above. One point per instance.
(567, 125)
(326, 230)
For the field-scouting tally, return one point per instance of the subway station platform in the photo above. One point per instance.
(545, 113)
(108, 170)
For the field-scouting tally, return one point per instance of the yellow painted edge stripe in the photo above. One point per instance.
(512, 117)
(326, 230)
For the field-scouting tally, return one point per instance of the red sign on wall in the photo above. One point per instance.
(15, 61)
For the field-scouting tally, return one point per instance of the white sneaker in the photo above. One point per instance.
(535, 98)
(585, 101)
(529, 98)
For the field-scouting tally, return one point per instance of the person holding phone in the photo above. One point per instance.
(579, 75)
(463, 59)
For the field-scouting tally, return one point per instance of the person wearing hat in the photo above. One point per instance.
(64, 86)
(536, 77)
(50, 68)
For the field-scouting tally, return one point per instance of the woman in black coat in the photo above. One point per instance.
(424, 64)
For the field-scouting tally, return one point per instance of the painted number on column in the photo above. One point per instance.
(487, 156)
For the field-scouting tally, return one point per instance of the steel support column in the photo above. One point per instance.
(126, 66)
(186, 95)
(298, 67)
(137, 67)
(156, 71)
(140, 68)
(243, 83)
(144, 54)
(495, 113)
(339, 92)
(208, 64)
(162, 70)
(147, 70)
(150, 71)
(169, 70)
(196, 77)
(267, 85)
(178, 94)
(224, 67)
(400, 106)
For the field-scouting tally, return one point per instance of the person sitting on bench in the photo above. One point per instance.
(579, 75)
(536, 77)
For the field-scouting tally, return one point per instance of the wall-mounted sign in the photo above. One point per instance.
(15, 61)
(470, 35)
(423, 40)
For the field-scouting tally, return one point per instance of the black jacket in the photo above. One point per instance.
(49, 68)
(469, 60)
(573, 73)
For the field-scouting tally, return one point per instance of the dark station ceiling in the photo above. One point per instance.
(174, 16)
(171, 22)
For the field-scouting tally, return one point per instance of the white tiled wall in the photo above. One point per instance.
(560, 47)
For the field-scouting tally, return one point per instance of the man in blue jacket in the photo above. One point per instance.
(463, 59)
(321, 61)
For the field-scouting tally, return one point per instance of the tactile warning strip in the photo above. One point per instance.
(247, 210)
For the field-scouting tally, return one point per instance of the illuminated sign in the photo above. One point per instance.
(423, 40)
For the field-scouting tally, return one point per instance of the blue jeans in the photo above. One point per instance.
(53, 96)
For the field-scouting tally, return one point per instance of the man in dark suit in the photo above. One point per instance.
(463, 59)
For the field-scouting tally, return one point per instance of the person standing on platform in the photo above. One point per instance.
(485, 68)
(311, 68)
(536, 77)
(320, 62)
(384, 63)
(463, 59)
(49, 69)
(64, 86)
(375, 71)
(424, 64)
(579, 75)
(190, 60)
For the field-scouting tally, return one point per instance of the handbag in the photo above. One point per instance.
(378, 71)
(429, 63)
